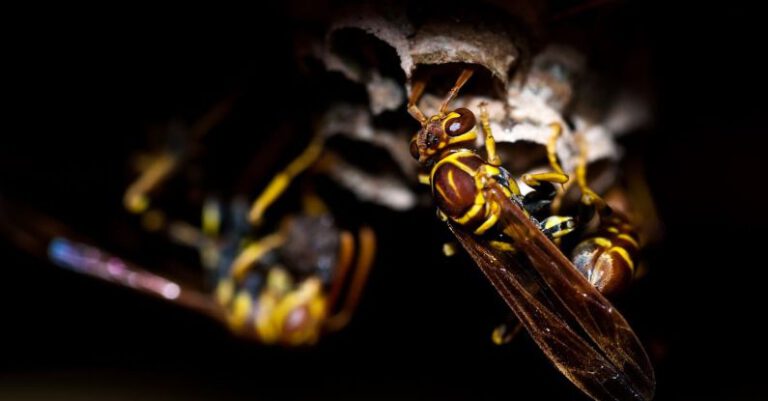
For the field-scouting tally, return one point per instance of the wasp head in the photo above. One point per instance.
(442, 131)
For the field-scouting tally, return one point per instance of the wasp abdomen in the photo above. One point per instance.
(607, 259)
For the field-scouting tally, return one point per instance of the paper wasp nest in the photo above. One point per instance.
(385, 49)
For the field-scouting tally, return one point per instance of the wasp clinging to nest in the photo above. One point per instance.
(510, 237)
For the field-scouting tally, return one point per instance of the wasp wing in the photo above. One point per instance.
(49, 239)
(577, 328)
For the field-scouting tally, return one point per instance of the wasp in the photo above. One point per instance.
(291, 285)
(282, 287)
(287, 286)
(576, 327)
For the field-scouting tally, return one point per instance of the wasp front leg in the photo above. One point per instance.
(539, 202)
(490, 143)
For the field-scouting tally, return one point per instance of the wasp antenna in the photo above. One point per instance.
(463, 78)
(417, 89)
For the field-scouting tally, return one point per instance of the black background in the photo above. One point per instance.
(85, 90)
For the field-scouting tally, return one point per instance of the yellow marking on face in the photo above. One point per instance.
(465, 137)
(629, 239)
(624, 255)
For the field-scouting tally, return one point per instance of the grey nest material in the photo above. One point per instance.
(527, 94)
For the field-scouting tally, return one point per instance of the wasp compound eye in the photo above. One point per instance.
(461, 124)
(414, 148)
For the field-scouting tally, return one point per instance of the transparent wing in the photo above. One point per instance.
(46, 238)
(577, 328)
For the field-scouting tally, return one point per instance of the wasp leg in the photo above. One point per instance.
(588, 196)
(556, 226)
(253, 253)
(417, 89)
(493, 214)
(365, 256)
(424, 179)
(557, 131)
(280, 182)
(543, 182)
(503, 246)
(449, 249)
(160, 168)
(490, 143)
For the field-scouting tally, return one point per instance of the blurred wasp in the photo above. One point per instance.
(580, 331)
(283, 287)
(290, 285)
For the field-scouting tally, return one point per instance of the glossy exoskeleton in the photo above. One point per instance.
(577, 328)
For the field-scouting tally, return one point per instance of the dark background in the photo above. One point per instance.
(84, 91)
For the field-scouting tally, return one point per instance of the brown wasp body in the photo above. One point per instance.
(577, 328)
(607, 257)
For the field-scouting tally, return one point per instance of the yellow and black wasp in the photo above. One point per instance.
(285, 286)
(289, 286)
(510, 237)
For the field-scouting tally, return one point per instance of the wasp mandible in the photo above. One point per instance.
(576, 327)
